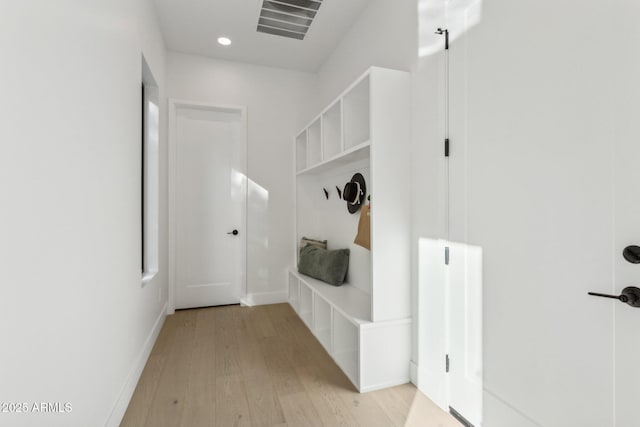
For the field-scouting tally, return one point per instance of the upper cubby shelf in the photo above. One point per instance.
(341, 133)
(332, 130)
(353, 154)
(314, 142)
(301, 150)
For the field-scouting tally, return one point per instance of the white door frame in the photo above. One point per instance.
(174, 104)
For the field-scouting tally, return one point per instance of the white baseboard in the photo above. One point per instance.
(264, 298)
(120, 407)
(383, 385)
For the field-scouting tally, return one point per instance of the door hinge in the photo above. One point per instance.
(446, 362)
(446, 147)
(446, 255)
(446, 37)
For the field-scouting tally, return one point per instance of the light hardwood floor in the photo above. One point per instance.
(259, 366)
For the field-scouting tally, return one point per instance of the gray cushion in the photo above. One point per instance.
(322, 264)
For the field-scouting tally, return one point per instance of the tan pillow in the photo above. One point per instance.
(305, 241)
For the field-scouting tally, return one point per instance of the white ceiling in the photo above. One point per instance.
(193, 26)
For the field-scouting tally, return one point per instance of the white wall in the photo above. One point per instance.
(384, 35)
(278, 102)
(73, 316)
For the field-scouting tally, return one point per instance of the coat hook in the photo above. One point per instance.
(339, 192)
(326, 193)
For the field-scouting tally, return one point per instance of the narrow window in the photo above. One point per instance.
(149, 175)
(142, 180)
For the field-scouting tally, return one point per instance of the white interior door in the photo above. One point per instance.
(626, 197)
(545, 154)
(210, 203)
(627, 318)
(544, 180)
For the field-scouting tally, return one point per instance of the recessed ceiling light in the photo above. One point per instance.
(224, 41)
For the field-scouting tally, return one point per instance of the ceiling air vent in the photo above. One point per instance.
(288, 18)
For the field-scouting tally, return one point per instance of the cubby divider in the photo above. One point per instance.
(305, 307)
(346, 346)
(314, 143)
(322, 321)
(332, 131)
(356, 104)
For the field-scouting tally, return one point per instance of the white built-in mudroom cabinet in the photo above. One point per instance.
(365, 324)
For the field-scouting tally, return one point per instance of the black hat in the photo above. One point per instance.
(354, 193)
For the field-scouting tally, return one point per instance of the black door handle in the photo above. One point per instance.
(630, 295)
(234, 232)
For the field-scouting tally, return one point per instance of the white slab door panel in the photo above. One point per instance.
(626, 201)
(210, 201)
(544, 197)
(531, 188)
(464, 359)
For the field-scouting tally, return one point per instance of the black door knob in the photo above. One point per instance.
(632, 254)
(630, 295)
(234, 232)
